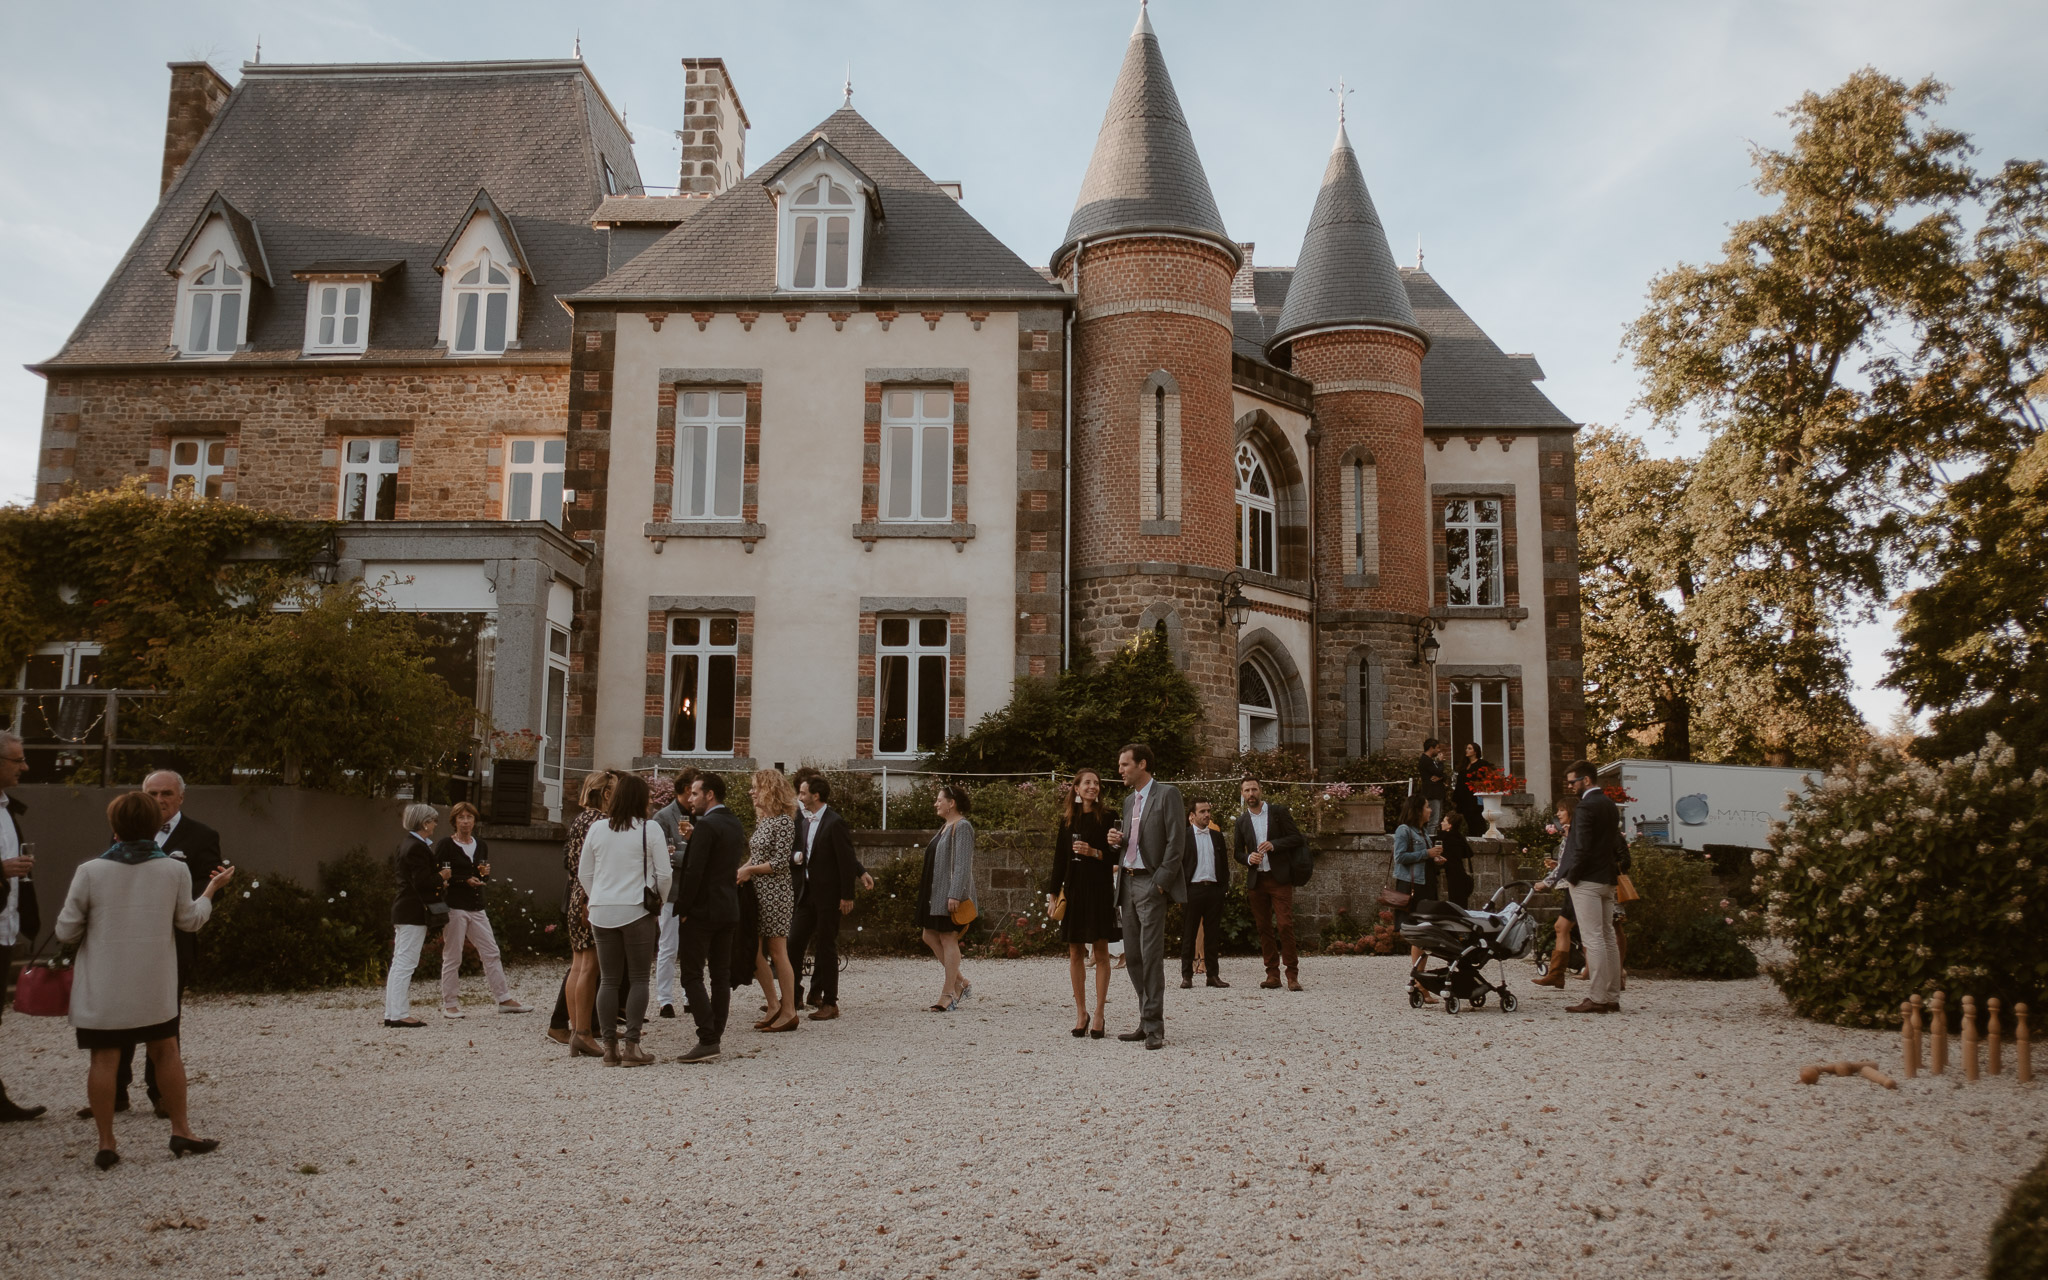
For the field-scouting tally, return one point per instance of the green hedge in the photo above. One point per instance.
(2019, 1239)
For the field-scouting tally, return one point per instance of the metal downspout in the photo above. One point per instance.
(1067, 475)
(1315, 619)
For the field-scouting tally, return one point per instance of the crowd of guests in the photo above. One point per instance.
(667, 891)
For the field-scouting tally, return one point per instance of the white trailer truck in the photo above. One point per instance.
(1695, 805)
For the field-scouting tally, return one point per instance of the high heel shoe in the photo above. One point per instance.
(106, 1159)
(582, 1046)
(1097, 1031)
(1081, 1030)
(192, 1146)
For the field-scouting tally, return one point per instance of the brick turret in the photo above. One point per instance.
(1347, 326)
(1148, 255)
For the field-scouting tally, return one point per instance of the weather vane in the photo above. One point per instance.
(1341, 93)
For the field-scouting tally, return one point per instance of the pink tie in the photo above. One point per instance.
(1131, 858)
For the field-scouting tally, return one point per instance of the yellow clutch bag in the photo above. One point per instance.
(963, 915)
(1058, 909)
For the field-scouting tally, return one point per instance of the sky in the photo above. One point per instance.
(1549, 158)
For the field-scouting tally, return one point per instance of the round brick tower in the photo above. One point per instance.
(1348, 328)
(1148, 256)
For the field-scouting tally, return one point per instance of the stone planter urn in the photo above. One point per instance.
(1495, 812)
(1365, 817)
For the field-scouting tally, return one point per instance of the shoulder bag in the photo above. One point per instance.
(43, 989)
(650, 895)
(1624, 888)
(1392, 897)
(962, 915)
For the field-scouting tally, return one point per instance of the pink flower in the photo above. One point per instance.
(549, 929)
(1550, 828)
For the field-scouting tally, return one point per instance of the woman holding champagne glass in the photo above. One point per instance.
(1084, 871)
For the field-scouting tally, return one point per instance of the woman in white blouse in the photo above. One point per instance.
(623, 858)
(122, 910)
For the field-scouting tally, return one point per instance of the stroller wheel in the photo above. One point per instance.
(1542, 966)
(1451, 1004)
(1507, 1002)
(1414, 996)
(1478, 1000)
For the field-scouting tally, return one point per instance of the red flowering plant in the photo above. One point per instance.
(1487, 780)
(1618, 793)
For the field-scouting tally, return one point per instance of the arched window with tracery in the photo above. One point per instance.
(483, 306)
(1258, 711)
(214, 309)
(1255, 512)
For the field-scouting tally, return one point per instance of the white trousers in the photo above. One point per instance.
(1594, 905)
(474, 927)
(665, 957)
(405, 957)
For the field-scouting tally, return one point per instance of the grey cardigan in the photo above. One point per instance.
(952, 866)
(126, 974)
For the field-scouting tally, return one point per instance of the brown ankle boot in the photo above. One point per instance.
(611, 1053)
(1559, 956)
(632, 1055)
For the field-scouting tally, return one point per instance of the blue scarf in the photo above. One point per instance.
(134, 851)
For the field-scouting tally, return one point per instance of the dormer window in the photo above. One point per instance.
(213, 310)
(483, 303)
(338, 317)
(822, 227)
(825, 209)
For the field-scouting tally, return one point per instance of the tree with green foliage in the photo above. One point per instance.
(333, 693)
(1085, 716)
(138, 574)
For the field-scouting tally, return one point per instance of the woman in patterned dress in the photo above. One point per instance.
(767, 868)
(581, 988)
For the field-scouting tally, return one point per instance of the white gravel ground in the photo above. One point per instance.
(1334, 1132)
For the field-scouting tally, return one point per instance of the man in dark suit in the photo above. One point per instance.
(827, 873)
(1433, 780)
(1275, 855)
(196, 845)
(707, 900)
(1152, 848)
(19, 917)
(1595, 854)
(1208, 869)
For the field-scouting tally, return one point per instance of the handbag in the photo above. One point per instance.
(650, 897)
(1625, 888)
(1392, 897)
(43, 990)
(963, 915)
(1058, 910)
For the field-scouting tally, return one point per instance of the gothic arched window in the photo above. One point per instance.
(1258, 712)
(1255, 512)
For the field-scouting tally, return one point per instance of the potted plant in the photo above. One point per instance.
(1492, 786)
(1352, 810)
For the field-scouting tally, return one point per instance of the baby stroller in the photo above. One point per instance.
(1467, 941)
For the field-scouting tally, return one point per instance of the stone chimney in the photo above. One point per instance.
(197, 91)
(714, 132)
(1243, 292)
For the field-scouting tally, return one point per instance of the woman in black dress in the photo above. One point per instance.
(1463, 798)
(1083, 867)
(1457, 864)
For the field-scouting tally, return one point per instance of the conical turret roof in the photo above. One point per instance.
(1346, 272)
(1145, 174)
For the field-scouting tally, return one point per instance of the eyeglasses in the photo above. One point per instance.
(13, 759)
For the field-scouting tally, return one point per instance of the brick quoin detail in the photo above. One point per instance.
(589, 464)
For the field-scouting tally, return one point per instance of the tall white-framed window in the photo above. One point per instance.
(195, 467)
(1472, 551)
(917, 454)
(1479, 713)
(369, 478)
(1255, 512)
(483, 299)
(215, 299)
(337, 316)
(912, 659)
(1258, 711)
(554, 752)
(703, 685)
(822, 235)
(1362, 517)
(1159, 453)
(533, 478)
(711, 448)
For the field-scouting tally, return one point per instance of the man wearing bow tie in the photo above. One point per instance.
(198, 847)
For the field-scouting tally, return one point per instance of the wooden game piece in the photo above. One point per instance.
(1969, 1037)
(1919, 1022)
(2023, 1044)
(1870, 1072)
(1844, 1068)
(1809, 1074)
(1994, 1040)
(1937, 1058)
(1909, 1056)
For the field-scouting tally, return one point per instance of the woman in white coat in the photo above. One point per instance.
(623, 858)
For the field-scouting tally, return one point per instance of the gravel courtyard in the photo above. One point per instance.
(1333, 1132)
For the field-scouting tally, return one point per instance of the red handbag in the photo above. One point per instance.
(43, 990)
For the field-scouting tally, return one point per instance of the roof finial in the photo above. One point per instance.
(1341, 93)
(259, 48)
(1144, 26)
(1418, 252)
(849, 86)
(577, 52)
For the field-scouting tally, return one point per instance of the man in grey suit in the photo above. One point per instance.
(1150, 874)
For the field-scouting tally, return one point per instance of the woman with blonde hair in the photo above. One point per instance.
(579, 990)
(767, 869)
(1083, 869)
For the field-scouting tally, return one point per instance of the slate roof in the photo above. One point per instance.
(1145, 174)
(1467, 380)
(377, 163)
(927, 246)
(638, 210)
(1346, 272)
